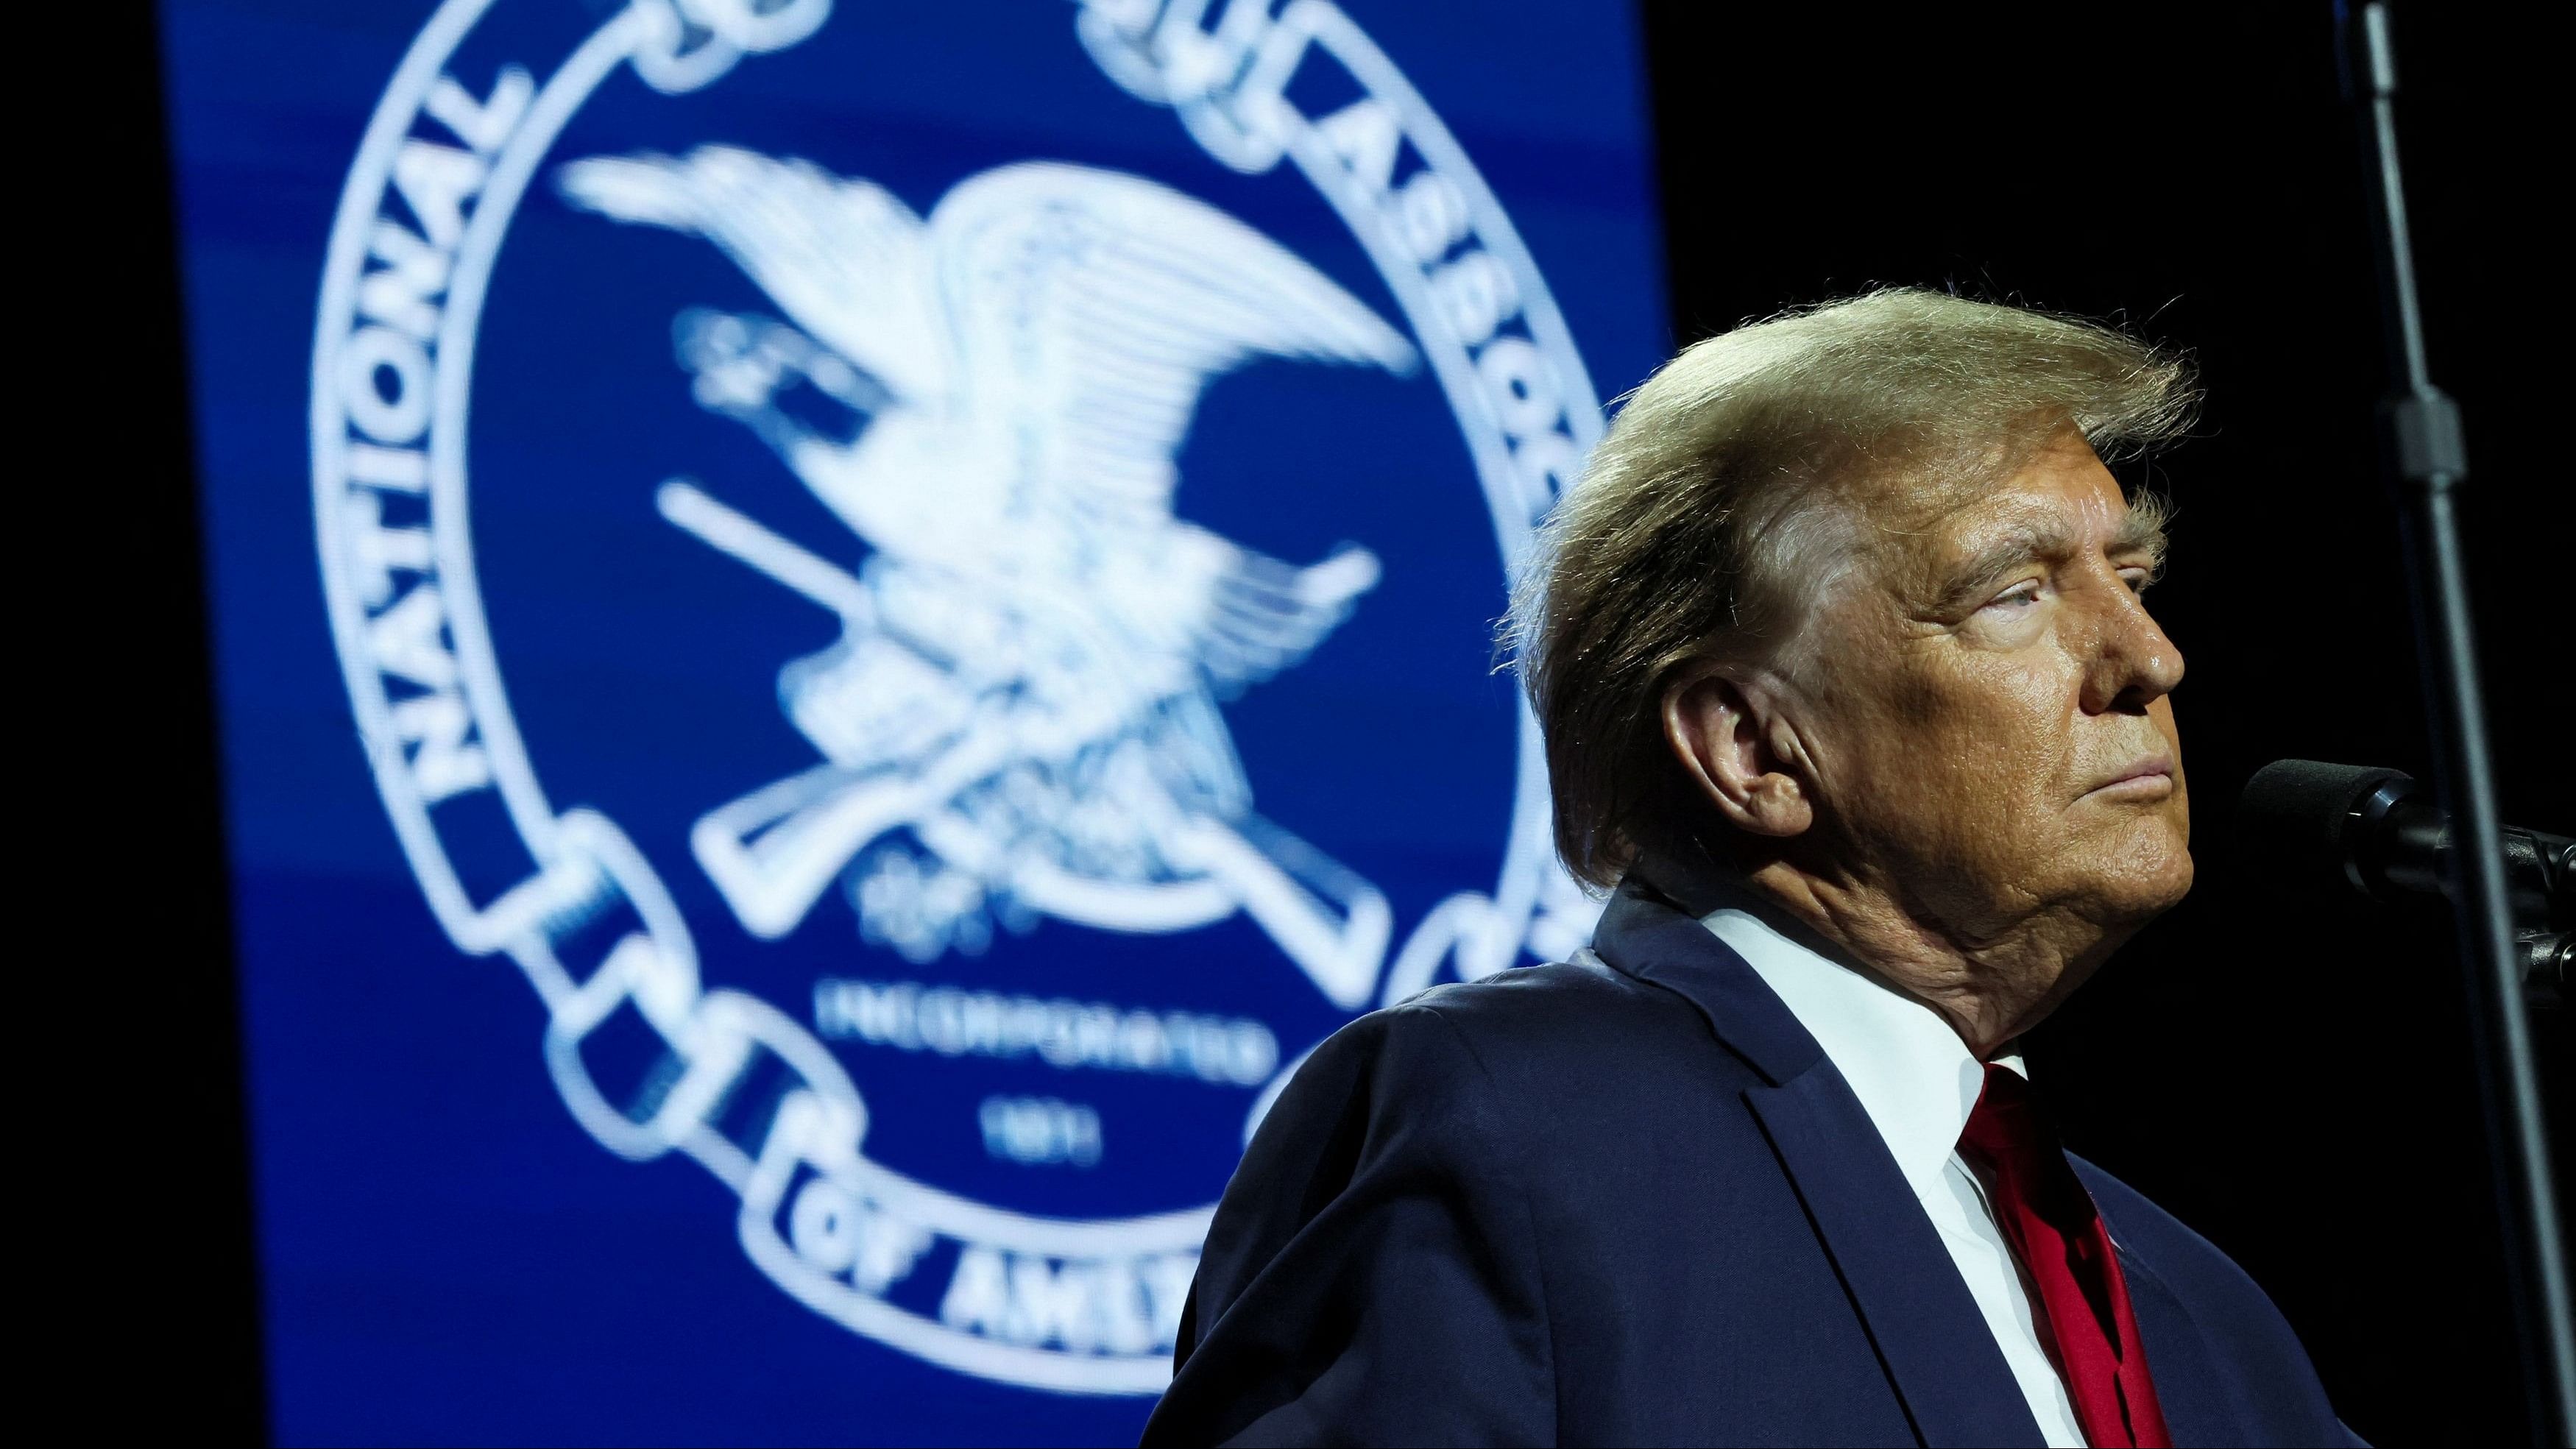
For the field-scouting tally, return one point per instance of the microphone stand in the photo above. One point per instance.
(2427, 456)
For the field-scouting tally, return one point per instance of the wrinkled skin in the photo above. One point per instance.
(1964, 770)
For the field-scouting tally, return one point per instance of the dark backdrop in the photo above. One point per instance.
(2287, 1073)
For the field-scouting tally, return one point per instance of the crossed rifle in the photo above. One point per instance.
(775, 851)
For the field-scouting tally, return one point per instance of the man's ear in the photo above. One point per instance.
(1744, 756)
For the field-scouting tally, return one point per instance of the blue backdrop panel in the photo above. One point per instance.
(844, 630)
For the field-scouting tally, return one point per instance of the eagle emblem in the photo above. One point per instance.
(1021, 716)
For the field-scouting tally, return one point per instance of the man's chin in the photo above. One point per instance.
(2145, 882)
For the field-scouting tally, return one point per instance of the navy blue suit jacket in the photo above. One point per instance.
(1635, 1204)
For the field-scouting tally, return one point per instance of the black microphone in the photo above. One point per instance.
(2377, 832)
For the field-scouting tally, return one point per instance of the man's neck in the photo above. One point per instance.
(1990, 985)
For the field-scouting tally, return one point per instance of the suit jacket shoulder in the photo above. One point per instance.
(1530, 1209)
(1370, 1275)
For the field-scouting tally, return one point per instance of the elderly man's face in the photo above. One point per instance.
(1988, 715)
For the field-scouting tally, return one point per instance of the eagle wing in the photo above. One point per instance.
(1091, 310)
(846, 260)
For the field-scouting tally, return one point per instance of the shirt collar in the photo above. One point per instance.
(1915, 1079)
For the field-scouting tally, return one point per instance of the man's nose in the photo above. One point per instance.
(2132, 662)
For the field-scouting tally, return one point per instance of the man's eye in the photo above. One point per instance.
(2016, 597)
(2137, 579)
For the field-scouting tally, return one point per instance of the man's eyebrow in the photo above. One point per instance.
(2000, 557)
(2141, 530)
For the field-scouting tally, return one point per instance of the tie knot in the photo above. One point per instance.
(2005, 1116)
(2010, 1136)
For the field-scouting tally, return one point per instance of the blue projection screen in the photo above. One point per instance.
(843, 631)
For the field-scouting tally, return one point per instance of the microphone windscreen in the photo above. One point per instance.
(2294, 817)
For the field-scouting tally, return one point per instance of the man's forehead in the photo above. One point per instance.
(2058, 490)
(1933, 540)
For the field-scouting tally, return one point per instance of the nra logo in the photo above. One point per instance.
(1019, 648)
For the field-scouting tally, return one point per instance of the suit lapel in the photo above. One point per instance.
(2188, 1386)
(1929, 1333)
(1939, 1356)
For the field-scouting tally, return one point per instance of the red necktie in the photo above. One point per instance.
(2083, 1307)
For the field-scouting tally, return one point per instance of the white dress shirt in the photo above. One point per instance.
(1918, 1082)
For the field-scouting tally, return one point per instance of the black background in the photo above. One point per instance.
(2288, 1073)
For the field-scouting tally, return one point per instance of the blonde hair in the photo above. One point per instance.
(1707, 522)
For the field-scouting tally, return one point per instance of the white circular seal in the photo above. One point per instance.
(1091, 781)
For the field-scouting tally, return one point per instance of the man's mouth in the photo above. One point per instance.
(2149, 777)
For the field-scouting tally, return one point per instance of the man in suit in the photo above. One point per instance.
(1852, 698)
